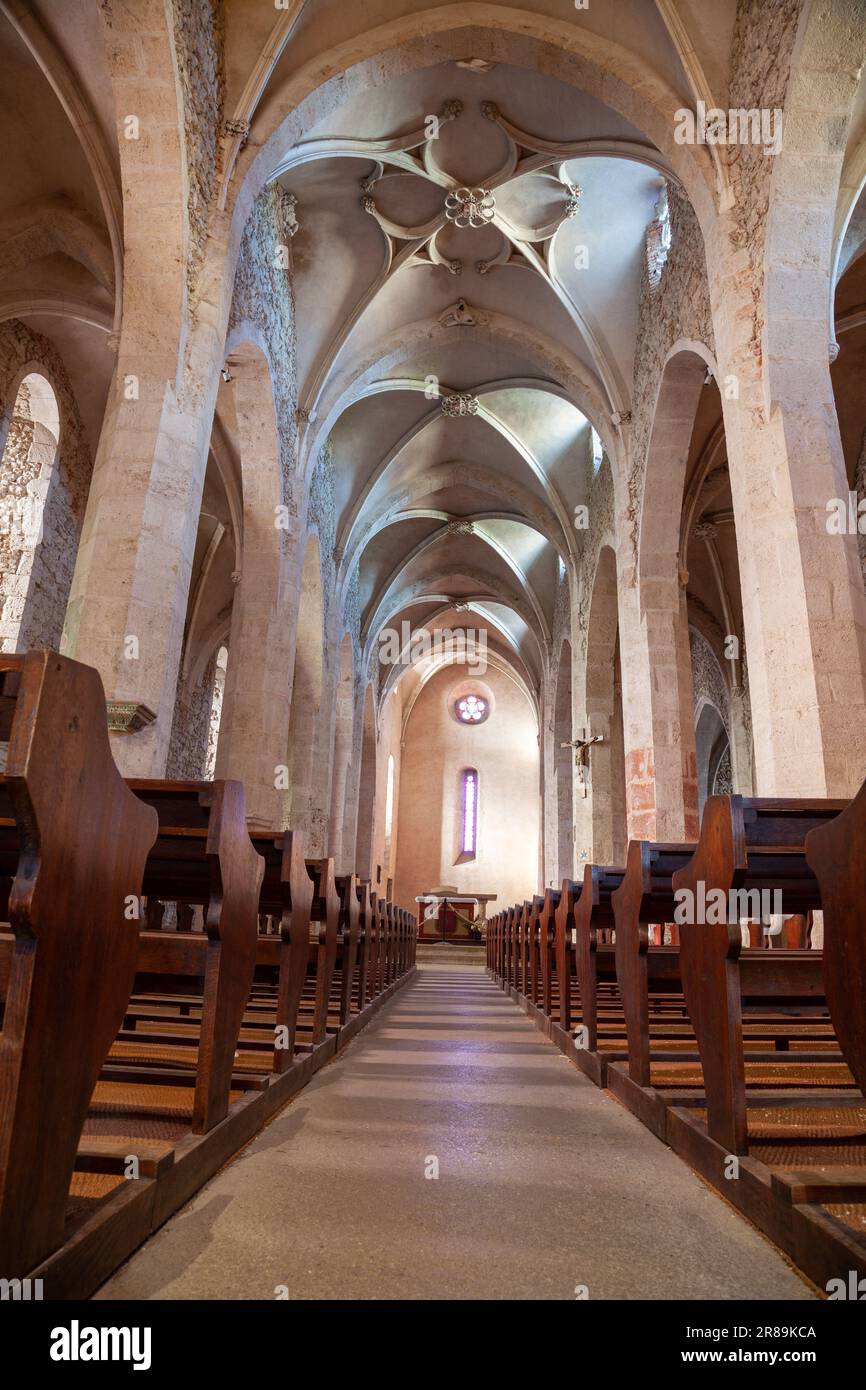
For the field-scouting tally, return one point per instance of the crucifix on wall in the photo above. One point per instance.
(581, 748)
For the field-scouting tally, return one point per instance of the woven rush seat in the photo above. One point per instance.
(182, 1055)
(803, 1123)
(804, 1151)
(808, 1122)
(149, 1129)
(180, 1025)
(125, 1098)
(784, 1073)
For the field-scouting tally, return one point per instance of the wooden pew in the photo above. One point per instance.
(594, 959)
(645, 896)
(203, 855)
(521, 929)
(776, 986)
(348, 927)
(836, 854)
(287, 896)
(547, 947)
(377, 944)
(493, 950)
(746, 844)
(74, 844)
(563, 952)
(325, 913)
(368, 943)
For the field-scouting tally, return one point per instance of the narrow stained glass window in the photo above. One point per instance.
(470, 811)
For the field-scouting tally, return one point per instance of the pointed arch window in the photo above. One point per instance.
(469, 812)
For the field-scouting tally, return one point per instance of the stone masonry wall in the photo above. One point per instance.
(198, 27)
(35, 587)
(677, 307)
(263, 297)
(761, 50)
(188, 747)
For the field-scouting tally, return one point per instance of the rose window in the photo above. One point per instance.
(471, 709)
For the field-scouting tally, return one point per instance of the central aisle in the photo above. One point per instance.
(545, 1183)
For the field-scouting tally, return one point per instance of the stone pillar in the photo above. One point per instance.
(343, 853)
(254, 730)
(658, 708)
(129, 593)
(804, 610)
(770, 267)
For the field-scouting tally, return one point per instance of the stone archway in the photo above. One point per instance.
(664, 670)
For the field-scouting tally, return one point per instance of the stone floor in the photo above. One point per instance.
(546, 1187)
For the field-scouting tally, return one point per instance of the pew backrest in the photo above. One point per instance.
(83, 841)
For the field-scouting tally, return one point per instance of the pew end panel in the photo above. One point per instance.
(83, 839)
(326, 918)
(836, 853)
(231, 923)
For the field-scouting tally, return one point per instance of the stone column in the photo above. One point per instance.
(254, 731)
(804, 611)
(658, 709)
(129, 593)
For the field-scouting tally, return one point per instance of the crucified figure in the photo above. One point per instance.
(581, 748)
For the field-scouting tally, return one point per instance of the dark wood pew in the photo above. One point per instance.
(325, 914)
(836, 854)
(494, 945)
(377, 945)
(368, 943)
(645, 896)
(563, 953)
(348, 926)
(779, 1002)
(507, 947)
(521, 928)
(287, 896)
(500, 950)
(534, 909)
(547, 947)
(594, 958)
(746, 844)
(74, 844)
(204, 855)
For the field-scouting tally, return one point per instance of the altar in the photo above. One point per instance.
(449, 915)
